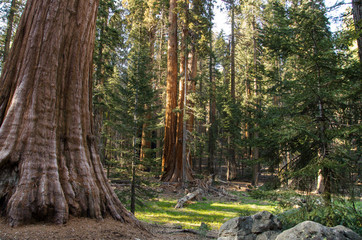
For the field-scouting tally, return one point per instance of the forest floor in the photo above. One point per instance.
(160, 219)
(83, 228)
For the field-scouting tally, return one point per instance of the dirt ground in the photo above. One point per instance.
(82, 228)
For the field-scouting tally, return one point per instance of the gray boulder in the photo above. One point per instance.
(260, 226)
(312, 230)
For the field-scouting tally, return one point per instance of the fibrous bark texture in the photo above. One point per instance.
(176, 168)
(171, 91)
(49, 168)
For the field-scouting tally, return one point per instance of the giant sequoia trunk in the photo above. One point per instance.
(49, 168)
(168, 163)
(178, 167)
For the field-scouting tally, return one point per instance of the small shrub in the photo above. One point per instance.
(338, 213)
(204, 228)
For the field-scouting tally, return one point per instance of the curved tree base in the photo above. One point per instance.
(49, 168)
(42, 192)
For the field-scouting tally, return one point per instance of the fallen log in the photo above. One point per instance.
(188, 197)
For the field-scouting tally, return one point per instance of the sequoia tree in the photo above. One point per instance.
(174, 166)
(48, 161)
(171, 97)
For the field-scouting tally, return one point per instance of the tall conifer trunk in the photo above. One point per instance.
(48, 161)
(231, 165)
(256, 166)
(145, 140)
(211, 146)
(98, 111)
(191, 88)
(357, 17)
(180, 170)
(168, 163)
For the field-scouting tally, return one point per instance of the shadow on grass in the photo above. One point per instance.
(192, 215)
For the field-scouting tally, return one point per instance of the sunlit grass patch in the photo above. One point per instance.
(214, 214)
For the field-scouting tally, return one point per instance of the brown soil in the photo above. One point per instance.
(83, 228)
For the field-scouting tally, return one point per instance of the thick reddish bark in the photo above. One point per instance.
(48, 161)
(168, 162)
(180, 170)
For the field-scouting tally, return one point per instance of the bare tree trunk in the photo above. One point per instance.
(232, 63)
(9, 29)
(357, 17)
(168, 158)
(98, 111)
(201, 127)
(191, 89)
(159, 131)
(181, 170)
(231, 166)
(256, 166)
(145, 140)
(48, 161)
(212, 104)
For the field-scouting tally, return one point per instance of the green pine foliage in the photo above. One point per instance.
(5, 7)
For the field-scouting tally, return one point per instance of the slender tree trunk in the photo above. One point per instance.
(9, 29)
(212, 131)
(357, 17)
(247, 134)
(134, 158)
(48, 161)
(160, 83)
(212, 105)
(320, 182)
(191, 89)
(99, 84)
(146, 134)
(232, 54)
(231, 166)
(256, 166)
(201, 128)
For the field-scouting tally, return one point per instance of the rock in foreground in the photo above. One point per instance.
(312, 230)
(261, 226)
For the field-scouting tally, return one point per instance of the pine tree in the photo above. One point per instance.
(12, 12)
